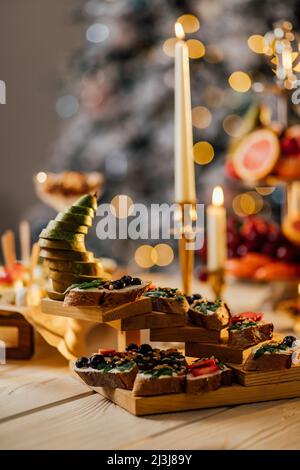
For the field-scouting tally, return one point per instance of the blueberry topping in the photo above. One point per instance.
(96, 360)
(136, 281)
(82, 362)
(145, 348)
(132, 347)
(126, 280)
(288, 340)
(192, 298)
(118, 284)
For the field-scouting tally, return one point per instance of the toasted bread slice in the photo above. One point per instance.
(273, 355)
(112, 379)
(167, 300)
(249, 333)
(211, 375)
(104, 297)
(159, 381)
(210, 315)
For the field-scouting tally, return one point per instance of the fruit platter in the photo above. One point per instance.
(263, 154)
(259, 250)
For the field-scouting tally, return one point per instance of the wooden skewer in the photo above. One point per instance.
(35, 253)
(25, 240)
(8, 248)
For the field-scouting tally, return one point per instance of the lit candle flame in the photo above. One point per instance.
(299, 288)
(179, 32)
(218, 196)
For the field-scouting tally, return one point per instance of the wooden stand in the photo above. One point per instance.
(185, 333)
(25, 347)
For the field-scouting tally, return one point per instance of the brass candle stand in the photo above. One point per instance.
(186, 216)
(216, 280)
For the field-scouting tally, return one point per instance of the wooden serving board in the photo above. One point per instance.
(185, 333)
(251, 378)
(97, 314)
(149, 320)
(224, 396)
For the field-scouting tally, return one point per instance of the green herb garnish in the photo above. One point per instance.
(205, 307)
(166, 293)
(242, 325)
(156, 373)
(86, 285)
(271, 348)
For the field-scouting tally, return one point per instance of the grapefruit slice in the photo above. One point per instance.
(256, 155)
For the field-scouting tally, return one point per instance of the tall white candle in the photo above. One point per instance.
(216, 232)
(184, 162)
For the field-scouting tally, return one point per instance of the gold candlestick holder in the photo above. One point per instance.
(187, 215)
(216, 280)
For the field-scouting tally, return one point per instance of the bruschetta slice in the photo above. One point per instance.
(167, 300)
(274, 355)
(207, 374)
(247, 329)
(211, 315)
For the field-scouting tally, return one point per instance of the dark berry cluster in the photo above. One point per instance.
(124, 281)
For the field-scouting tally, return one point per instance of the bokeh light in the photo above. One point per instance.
(121, 206)
(240, 81)
(169, 47)
(41, 177)
(97, 32)
(145, 256)
(248, 203)
(196, 48)
(257, 43)
(201, 117)
(66, 106)
(164, 254)
(190, 23)
(265, 190)
(232, 125)
(203, 152)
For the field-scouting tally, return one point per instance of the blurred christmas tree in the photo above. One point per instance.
(118, 98)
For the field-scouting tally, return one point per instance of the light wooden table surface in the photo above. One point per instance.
(43, 407)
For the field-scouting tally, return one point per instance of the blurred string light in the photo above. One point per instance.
(232, 125)
(41, 177)
(97, 32)
(240, 81)
(190, 23)
(147, 256)
(265, 190)
(203, 152)
(164, 254)
(201, 117)
(66, 106)
(169, 47)
(248, 203)
(213, 54)
(257, 43)
(121, 206)
(196, 48)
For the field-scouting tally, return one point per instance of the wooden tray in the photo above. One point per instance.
(224, 396)
(248, 378)
(96, 314)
